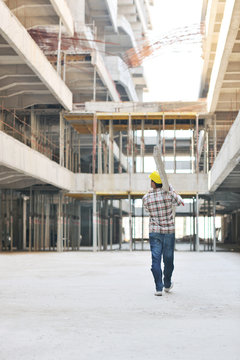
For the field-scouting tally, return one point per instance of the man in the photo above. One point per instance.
(159, 204)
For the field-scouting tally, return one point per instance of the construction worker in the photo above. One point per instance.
(159, 204)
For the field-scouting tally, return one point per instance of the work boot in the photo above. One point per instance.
(168, 289)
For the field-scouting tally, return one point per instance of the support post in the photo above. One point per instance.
(111, 224)
(59, 48)
(120, 153)
(94, 82)
(130, 221)
(24, 223)
(94, 222)
(215, 136)
(60, 224)
(111, 158)
(99, 147)
(197, 141)
(61, 139)
(120, 224)
(142, 146)
(163, 139)
(214, 223)
(174, 148)
(197, 222)
(192, 155)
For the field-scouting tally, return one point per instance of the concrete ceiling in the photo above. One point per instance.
(22, 83)
(221, 51)
(11, 179)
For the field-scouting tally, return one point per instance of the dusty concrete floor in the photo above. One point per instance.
(101, 306)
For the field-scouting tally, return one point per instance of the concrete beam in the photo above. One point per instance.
(63, 11)
(227, 37)
(104, 75)
(19, 39)
(140, 183)
(19, 157)
(228, 157)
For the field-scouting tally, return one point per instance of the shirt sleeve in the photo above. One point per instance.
(145, 202)
(176, 198)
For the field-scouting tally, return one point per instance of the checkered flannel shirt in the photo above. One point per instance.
(159, 204)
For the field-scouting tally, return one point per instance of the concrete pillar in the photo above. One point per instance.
(94, 82)
(215, 136)
(60, 224)
(197, 150)
(120, 153)
(99, 148)
(47, 225)
(33, 130)
(120, 224)
(105, 239)
(59, 48)
(214, 223)
(25, 222)
(163, 139)
(61, 139)
(111, 157)
(174, 147)
(111, 224)
(94, 222)
(197, 222)
(142, 146)
(94, 147)
(192, 151)
(130, 222)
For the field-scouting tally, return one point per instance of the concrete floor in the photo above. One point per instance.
(101, 306)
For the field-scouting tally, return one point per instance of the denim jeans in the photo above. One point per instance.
(162, 245)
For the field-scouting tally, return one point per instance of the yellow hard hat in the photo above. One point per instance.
(154, 176)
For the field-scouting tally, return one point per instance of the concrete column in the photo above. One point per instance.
(197, 150)
(120, 153)
(42, 222)
(130, 222)
(33, 130)
(174, 147)
(11, 218)
(214, 223)
(94, 147)
(142, 146)
(47, 225)
(215, 136)
(61, 139)
(25, 222)
(111, 157)
(120, 224)
(197, 222)
(192, 151)
(94, 82)
(60, 224)
(59, 48)
(130, 143)
(105, 150)
(94, 222)
(111, 224)
(163, 139)
(99, 148)
(105, 240)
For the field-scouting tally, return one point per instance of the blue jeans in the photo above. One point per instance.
(162, 245)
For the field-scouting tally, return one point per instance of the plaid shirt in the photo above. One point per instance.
(159, 204)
